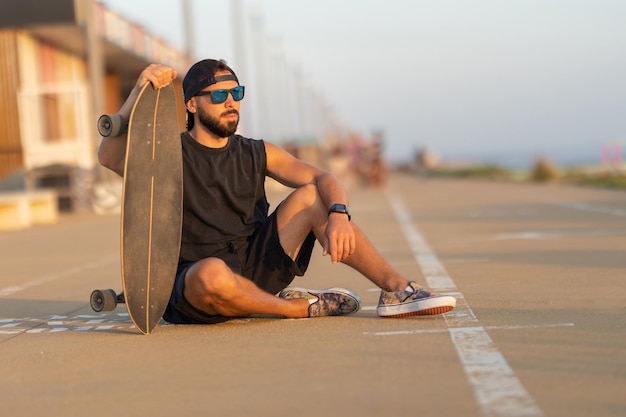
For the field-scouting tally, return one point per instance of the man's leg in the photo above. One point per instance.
(211, 286)
(304, 211)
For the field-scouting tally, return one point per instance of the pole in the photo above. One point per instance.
(189, 29)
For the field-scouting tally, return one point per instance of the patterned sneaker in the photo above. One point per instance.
(417, 303)
(327, 302)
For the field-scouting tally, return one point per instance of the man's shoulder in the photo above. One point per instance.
(245, 142)
(238, 137)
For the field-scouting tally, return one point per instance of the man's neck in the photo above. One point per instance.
(208, 139)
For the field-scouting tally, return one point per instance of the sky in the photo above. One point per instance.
(498, 81)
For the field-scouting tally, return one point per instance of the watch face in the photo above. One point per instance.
(339, 208)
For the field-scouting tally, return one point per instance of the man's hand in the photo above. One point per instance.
(339, 239)
(159, 75)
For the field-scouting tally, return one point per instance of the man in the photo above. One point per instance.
(235, 257)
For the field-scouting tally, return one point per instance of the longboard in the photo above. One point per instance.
(151, 219)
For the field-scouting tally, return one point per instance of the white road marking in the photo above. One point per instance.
(497, 390)
(56, 323)
(542, 235)
(53, 277)
(522, 212)
(429, 331)
(462, 314)
(592, 208)
(466, 260)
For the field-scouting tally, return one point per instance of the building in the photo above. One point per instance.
(62, 64)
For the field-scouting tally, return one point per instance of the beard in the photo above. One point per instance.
(216, 126)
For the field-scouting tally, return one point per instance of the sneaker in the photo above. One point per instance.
(327, 302)
(419, 302)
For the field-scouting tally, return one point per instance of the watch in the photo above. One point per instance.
(340, 208)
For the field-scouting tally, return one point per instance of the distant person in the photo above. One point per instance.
(377, 168)
(235, 256)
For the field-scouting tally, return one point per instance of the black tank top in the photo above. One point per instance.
(223, 195)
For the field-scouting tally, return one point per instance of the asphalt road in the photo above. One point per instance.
(539, 330)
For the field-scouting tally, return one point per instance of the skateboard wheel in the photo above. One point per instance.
(103, 300)
(111, 125)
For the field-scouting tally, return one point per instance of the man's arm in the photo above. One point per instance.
(293, 172)
(339, 240)
(112, 150)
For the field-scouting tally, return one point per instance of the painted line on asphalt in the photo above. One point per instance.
(504, 327)
(591, 208)
(467, 260)
(53, 277)
(543, 235)
(62, 323)
(497, 390)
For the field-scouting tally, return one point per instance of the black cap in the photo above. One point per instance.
(202, 74)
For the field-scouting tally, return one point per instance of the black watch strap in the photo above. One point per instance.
(340, 208)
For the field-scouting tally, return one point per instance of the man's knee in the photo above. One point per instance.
(308, 197)
(210, 278)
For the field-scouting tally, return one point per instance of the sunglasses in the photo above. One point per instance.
(220, 96)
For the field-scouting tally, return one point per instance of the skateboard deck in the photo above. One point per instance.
(151, 206)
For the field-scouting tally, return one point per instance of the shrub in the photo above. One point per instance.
(544, 171)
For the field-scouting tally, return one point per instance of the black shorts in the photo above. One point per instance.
(261, 259)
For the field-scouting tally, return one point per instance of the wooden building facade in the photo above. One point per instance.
(51, 94)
